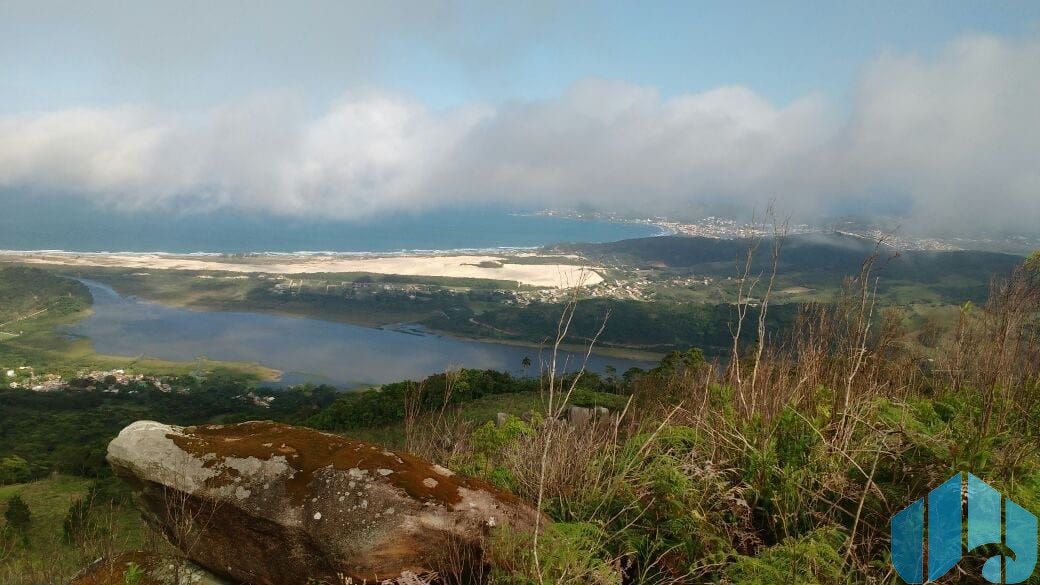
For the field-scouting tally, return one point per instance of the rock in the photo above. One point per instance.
(577, 415)
(501, 418)
(268, 503)
(580, 415)
(151, 569)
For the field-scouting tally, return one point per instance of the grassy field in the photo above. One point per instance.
(48, 557)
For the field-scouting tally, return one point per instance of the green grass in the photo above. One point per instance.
(475, 412)
(48, 499)
(48, 556)
(484, 409)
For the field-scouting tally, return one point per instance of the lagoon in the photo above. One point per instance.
(305, 350)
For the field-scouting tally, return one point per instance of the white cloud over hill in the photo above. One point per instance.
(956, 135)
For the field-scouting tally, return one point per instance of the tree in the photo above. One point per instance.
(1033, 262)
(14, 469)
(693, 359)
(18, 517)
(77, 520)
(677, 362)
(526, 363)
(631, 375)
(81, 460)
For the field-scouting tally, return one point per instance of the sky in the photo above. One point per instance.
(353, 109)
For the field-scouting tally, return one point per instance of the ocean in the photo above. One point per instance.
(75, 226)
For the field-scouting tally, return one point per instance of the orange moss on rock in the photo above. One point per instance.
(308, 451)
(328, 505)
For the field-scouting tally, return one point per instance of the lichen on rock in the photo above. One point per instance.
(267, 503)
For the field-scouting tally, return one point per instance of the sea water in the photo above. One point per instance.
(53, 224)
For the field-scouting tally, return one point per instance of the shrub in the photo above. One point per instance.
(14, 469)
(491, 438)
(813, 559)
(18, 517)
(75, 525)
(568, 553)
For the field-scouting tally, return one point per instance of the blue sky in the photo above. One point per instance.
(197, 54)
(783, 50)
(352, 109)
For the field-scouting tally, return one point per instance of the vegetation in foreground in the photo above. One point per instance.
(782, 465)
(785, 466)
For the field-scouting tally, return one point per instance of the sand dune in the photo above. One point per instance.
(462, 266)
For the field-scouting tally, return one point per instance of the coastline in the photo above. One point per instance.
(663, 228)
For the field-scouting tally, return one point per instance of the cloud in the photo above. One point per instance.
(952, 138)
(610, 144)
(959, 135)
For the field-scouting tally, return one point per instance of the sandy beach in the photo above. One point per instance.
(495, 267)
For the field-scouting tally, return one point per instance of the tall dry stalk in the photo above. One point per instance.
(555, 399)
(779, 236)
(185, 521)
(437, 434)
(995, 349)
(746, 284)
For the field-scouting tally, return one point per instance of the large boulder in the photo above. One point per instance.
(270, 504)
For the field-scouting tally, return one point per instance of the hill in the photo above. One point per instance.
(26, 293)
(655, 327)
(811, 260)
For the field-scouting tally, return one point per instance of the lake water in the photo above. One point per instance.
(307, 350)
(41, 223)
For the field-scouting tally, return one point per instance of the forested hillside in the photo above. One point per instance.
(28, 292)
(813, 260)
(626, 324)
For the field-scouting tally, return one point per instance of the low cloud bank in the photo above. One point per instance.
(952, 139)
